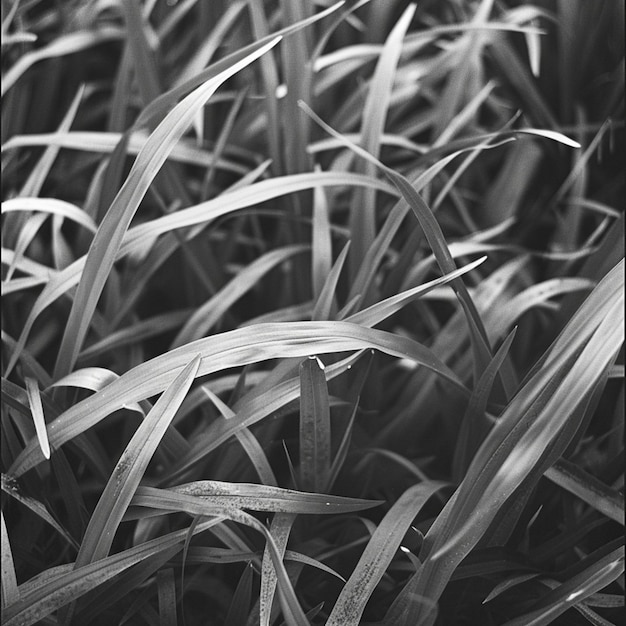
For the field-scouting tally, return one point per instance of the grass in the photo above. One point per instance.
(312, 313)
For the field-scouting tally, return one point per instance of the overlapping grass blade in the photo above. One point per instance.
(230, 349)
(130, 468)
(379, 553)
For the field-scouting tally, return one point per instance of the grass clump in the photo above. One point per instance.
(313, 313)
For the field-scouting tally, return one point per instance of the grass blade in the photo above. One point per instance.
(314, 426)
(110, 234)
(378, 554)
(130, 468)
(36, 408)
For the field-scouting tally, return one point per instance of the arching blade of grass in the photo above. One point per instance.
(110, 234)
(378, 554)
(380, 311)
(363, 208)
(231, 349)
(597, 576)
(130, 468)
(314, 426)
(10, 591)
(67, 586)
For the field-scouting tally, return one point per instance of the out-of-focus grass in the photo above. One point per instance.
(312, 312)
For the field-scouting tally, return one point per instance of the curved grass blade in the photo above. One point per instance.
(109, 237)
(230, 349)
(130, 468)
(378, 554)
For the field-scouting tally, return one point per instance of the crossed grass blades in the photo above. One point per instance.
(313, 313)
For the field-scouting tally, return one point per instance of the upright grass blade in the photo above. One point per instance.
(130, 468)
(379, 553)
(167, 597)
(362, 212)
(110, 234)
(314, 426)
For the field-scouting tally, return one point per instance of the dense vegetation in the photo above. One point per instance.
(312, 312)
